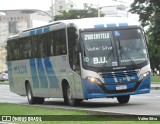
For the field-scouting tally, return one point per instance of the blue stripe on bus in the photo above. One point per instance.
(99, 26)
(34, 73)
(50, 73)
(46, 29)
(41, 73)
(111, 25)
(39, 31)
(123, 24)
(32, 32)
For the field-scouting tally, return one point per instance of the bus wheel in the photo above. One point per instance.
(68, 97)
(39, 100)
(31, 99)
(123, 99)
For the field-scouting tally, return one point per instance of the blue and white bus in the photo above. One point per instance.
(79, 60)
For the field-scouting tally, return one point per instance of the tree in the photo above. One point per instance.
(149, 16)
(154, 52)
(76, 14)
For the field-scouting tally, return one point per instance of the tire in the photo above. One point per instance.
(68, 97)
(123, 99)
(31, 98)
(39, 100)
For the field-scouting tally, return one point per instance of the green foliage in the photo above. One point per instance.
(76, 14)
(154, 52)
(147, 10)
(149, 15)
(155, 79)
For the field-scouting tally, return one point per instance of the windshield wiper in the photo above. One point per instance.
(122, 51)
(110, 53)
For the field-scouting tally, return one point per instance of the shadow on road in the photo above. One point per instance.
(90, 104)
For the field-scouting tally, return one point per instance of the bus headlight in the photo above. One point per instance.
(142, 76)
(93, 80)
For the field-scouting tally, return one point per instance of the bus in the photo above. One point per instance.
(80, 59)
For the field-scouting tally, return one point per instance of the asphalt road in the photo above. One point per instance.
(145, 104)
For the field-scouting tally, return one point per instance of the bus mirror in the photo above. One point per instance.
(146, 38)
(147, 41)
(77, 45)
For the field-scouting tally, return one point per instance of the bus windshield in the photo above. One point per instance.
(131, 46)
(113, 48)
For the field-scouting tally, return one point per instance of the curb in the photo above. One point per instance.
(155, 88)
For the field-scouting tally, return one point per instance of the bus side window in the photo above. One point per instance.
(9, 52)
(51, 47)
(27, 48)
(60, 42)
(44, 45)
(12, 50)
(38, 44)
(35, 46)
(15, 54)
(52, 44)
(48, 44)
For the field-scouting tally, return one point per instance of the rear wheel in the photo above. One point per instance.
(123, 99)
(31, 98)
(39, 100)
(68, 97)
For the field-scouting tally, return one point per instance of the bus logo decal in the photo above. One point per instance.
(117, 33)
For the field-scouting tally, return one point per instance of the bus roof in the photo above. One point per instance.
(102, 22)
(85, 23)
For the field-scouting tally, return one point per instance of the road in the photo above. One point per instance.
(145, 104)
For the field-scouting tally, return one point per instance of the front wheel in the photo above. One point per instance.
(68, 97)
(123, 99)
(31, 98)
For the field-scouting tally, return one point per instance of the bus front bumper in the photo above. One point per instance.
(93, 90)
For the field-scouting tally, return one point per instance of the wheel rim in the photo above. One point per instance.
(69, 93)
(29, 94)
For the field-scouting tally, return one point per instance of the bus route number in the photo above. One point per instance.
(97, 36)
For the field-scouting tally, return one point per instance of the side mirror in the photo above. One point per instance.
(146, 38)
(77, 45)
(147, 41)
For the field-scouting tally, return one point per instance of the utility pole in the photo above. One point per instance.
(98, 10)
(52, 8)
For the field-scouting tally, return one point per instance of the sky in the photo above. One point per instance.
(45, 4)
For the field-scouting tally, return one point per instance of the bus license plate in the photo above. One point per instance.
(121, 87)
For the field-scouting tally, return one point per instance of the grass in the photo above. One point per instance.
(63, 116)
(155, 79)
(4, 82)
(14, 109)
